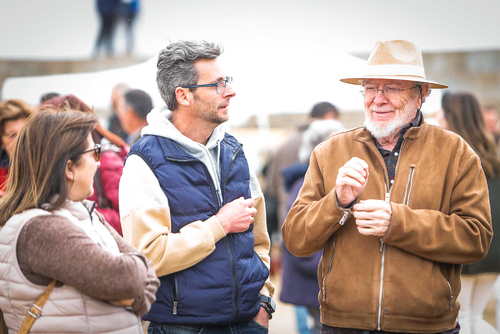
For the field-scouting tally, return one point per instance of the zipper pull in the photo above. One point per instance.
(324, 293)
(381, 244)
(344, 218)
(175, 308)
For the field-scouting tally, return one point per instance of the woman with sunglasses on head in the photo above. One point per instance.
(107, 177)
(50, 232)
(461, 113)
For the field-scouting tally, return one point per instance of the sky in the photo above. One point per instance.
(66, 29)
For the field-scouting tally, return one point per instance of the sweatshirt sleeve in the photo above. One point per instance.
(146, 223)
(53, 247)
(262, 244)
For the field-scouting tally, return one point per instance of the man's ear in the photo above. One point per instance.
(183, 96)
(70, 176)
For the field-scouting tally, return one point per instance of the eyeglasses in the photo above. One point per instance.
(389, 91)
(97, 152)
(220, 86)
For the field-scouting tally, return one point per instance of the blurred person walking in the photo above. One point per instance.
(128, 11)
(461, 113)
(114, 124)
(287, 155)
(107, 176)
(397, 207)
(132, 110)
(189, 201)
(299, 277)
(50, 235)
(13, 115)
(107, 13)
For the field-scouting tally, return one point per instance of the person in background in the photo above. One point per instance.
(490, 115)
(13, 115)
(107, 13)
(107, 177)
(132, 110)
(128, 11)
(397, 206)
(51, 234)
(114, 124)
(190, 202)
(461, 113)
(299, 277)
(47, 96)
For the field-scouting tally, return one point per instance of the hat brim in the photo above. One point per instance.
(359, 81)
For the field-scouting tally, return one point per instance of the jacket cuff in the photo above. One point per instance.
(215, 228)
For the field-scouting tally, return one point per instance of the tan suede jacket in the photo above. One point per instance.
(409, 280)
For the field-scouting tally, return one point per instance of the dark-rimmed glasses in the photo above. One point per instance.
(372, 91)
(220, 86)
(97, 152)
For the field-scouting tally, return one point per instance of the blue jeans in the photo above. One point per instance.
(250, 327)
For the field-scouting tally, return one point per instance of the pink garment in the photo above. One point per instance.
(111, 171)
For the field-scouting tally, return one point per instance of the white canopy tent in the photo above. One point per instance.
(284, 79)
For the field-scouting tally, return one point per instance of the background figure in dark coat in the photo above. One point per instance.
(461, 113)
(107, 13)
(300, 281)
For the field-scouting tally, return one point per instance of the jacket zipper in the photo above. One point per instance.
(409, 186)
(382, 244)
(329, 270)
(174, 289)
(231, 258)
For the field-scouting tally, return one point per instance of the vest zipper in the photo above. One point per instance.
(173, 280)
(329, 270)
(228, 245)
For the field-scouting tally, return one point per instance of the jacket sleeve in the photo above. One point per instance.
(146, 223)
(262, 243)
(462, 236)
(314, 216)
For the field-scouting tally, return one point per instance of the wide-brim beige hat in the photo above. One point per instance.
(396, 60)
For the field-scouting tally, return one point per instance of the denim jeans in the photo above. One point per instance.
(250, 327)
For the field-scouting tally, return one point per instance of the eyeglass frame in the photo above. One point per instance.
(97, 152)
(226, 81)
(383, 90)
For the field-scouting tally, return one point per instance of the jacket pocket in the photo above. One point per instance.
(174, 293)
(409, 186)
(329, 265)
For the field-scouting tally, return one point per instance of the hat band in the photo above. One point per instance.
(387, 70)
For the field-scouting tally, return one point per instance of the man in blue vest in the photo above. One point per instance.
(189, 201)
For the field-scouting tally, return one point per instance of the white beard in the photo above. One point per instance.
(381, 131)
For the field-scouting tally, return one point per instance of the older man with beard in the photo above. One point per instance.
(397, 207)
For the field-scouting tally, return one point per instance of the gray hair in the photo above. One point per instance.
(317, 132)
(176, 66)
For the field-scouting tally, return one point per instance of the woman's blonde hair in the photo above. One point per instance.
(48, 140)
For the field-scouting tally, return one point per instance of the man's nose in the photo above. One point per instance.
(380, 97)
(229, 92)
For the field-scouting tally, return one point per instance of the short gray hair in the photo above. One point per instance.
(176, 66)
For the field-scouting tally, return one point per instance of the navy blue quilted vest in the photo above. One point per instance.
(225, 287)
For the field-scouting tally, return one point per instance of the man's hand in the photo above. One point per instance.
(262, 318)
(237, 215)
(373, 217)
(351, 181)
